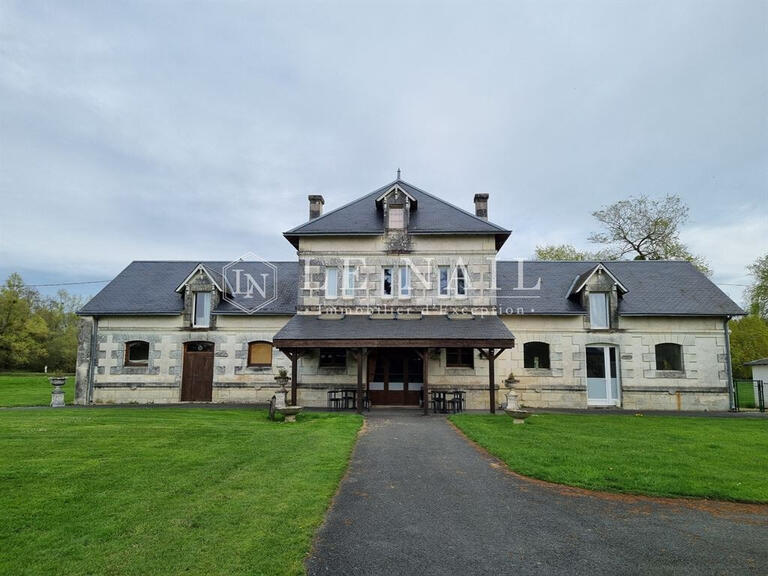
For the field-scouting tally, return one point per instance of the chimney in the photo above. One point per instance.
(481, 206)
(315, 206)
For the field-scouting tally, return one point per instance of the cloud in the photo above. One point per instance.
(197, 131)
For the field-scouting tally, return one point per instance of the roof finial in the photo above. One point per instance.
(398, 173)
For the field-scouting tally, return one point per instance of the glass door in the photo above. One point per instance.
(602, 376)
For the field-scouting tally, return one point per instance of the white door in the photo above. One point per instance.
(602, 376)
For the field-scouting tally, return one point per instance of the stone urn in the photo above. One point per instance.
(514, 409)
(279, 403)
(57, 396)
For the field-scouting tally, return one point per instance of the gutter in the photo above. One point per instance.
(731, 398)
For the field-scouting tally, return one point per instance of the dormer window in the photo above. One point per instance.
(201, 314)
(599, 317)
(396, 218)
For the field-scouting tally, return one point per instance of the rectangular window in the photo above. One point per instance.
(386, 282)
(333, 358)
(349, 282)
(396, 218)
(405, 282)
(259, 354)
(136, 353)
(461, 282)
(598, 310)
(331, 283)
(202, 311)
(460, 357)
(443, 279)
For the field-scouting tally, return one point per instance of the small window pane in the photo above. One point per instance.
(460, 357)
(669, 357)
(331, 283)
(349, 282)
(405, 281)
(202, 309)
(444, 276)
(536, 355)
(333, 358)
(598, 310)
(461, 288)
(387, 282)
(259, 354)
(137, 352)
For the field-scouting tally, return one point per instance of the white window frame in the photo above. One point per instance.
(194, 310)
(331, 294)
(604, 304)
(404, 282)
(348, 288)
(461, 271)
(440, 270)
(392, 276)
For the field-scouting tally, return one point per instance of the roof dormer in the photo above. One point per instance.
(396, 205)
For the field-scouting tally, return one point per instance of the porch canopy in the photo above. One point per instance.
(419, 332)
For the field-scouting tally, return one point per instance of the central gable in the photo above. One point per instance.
(428, 215)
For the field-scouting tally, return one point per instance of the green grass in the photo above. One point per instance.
(720, 458)
(165, 490)
(31, 389)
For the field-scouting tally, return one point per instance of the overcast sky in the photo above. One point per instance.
(170, 130)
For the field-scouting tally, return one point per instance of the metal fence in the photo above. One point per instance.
(749, 394)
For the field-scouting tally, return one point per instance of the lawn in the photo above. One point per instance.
(31, 389)
(185, 490)
(720, 458)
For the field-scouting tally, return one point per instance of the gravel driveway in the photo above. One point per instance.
(421, 499)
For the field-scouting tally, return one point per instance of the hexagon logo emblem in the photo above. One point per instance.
(251, 283)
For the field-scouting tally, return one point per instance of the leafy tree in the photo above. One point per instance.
(645, 229)
(23, 334)
(757, 293)
(562, 252)
(36, 331)
(749, 341)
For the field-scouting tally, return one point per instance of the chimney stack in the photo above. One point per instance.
(315, 206)
(481, 206)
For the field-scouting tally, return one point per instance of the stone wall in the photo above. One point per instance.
(701, 385)
(369, 255)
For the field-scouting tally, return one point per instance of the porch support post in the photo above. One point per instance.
(425, 386)
(360, 354)
(294, 375)
(492, 378)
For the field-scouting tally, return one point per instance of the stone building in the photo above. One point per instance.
(399, 294)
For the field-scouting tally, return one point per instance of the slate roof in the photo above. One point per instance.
(760, 362)
(432, 216)
(654, 288)
(359, 327)
(149, 288)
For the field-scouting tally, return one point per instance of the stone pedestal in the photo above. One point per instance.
(57, 396)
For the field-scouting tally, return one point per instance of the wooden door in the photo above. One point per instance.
(197, 373)
(394, 377)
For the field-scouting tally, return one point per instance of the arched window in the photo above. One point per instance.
(259, 354)
(136, 353)
(669, 357)
(536, 355)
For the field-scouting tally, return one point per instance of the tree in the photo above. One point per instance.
(23, 333)
(749, 341)
(561, 252)
(757, 293)
(646, 229)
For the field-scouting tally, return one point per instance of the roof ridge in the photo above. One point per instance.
(467, 212)
(360, 199)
